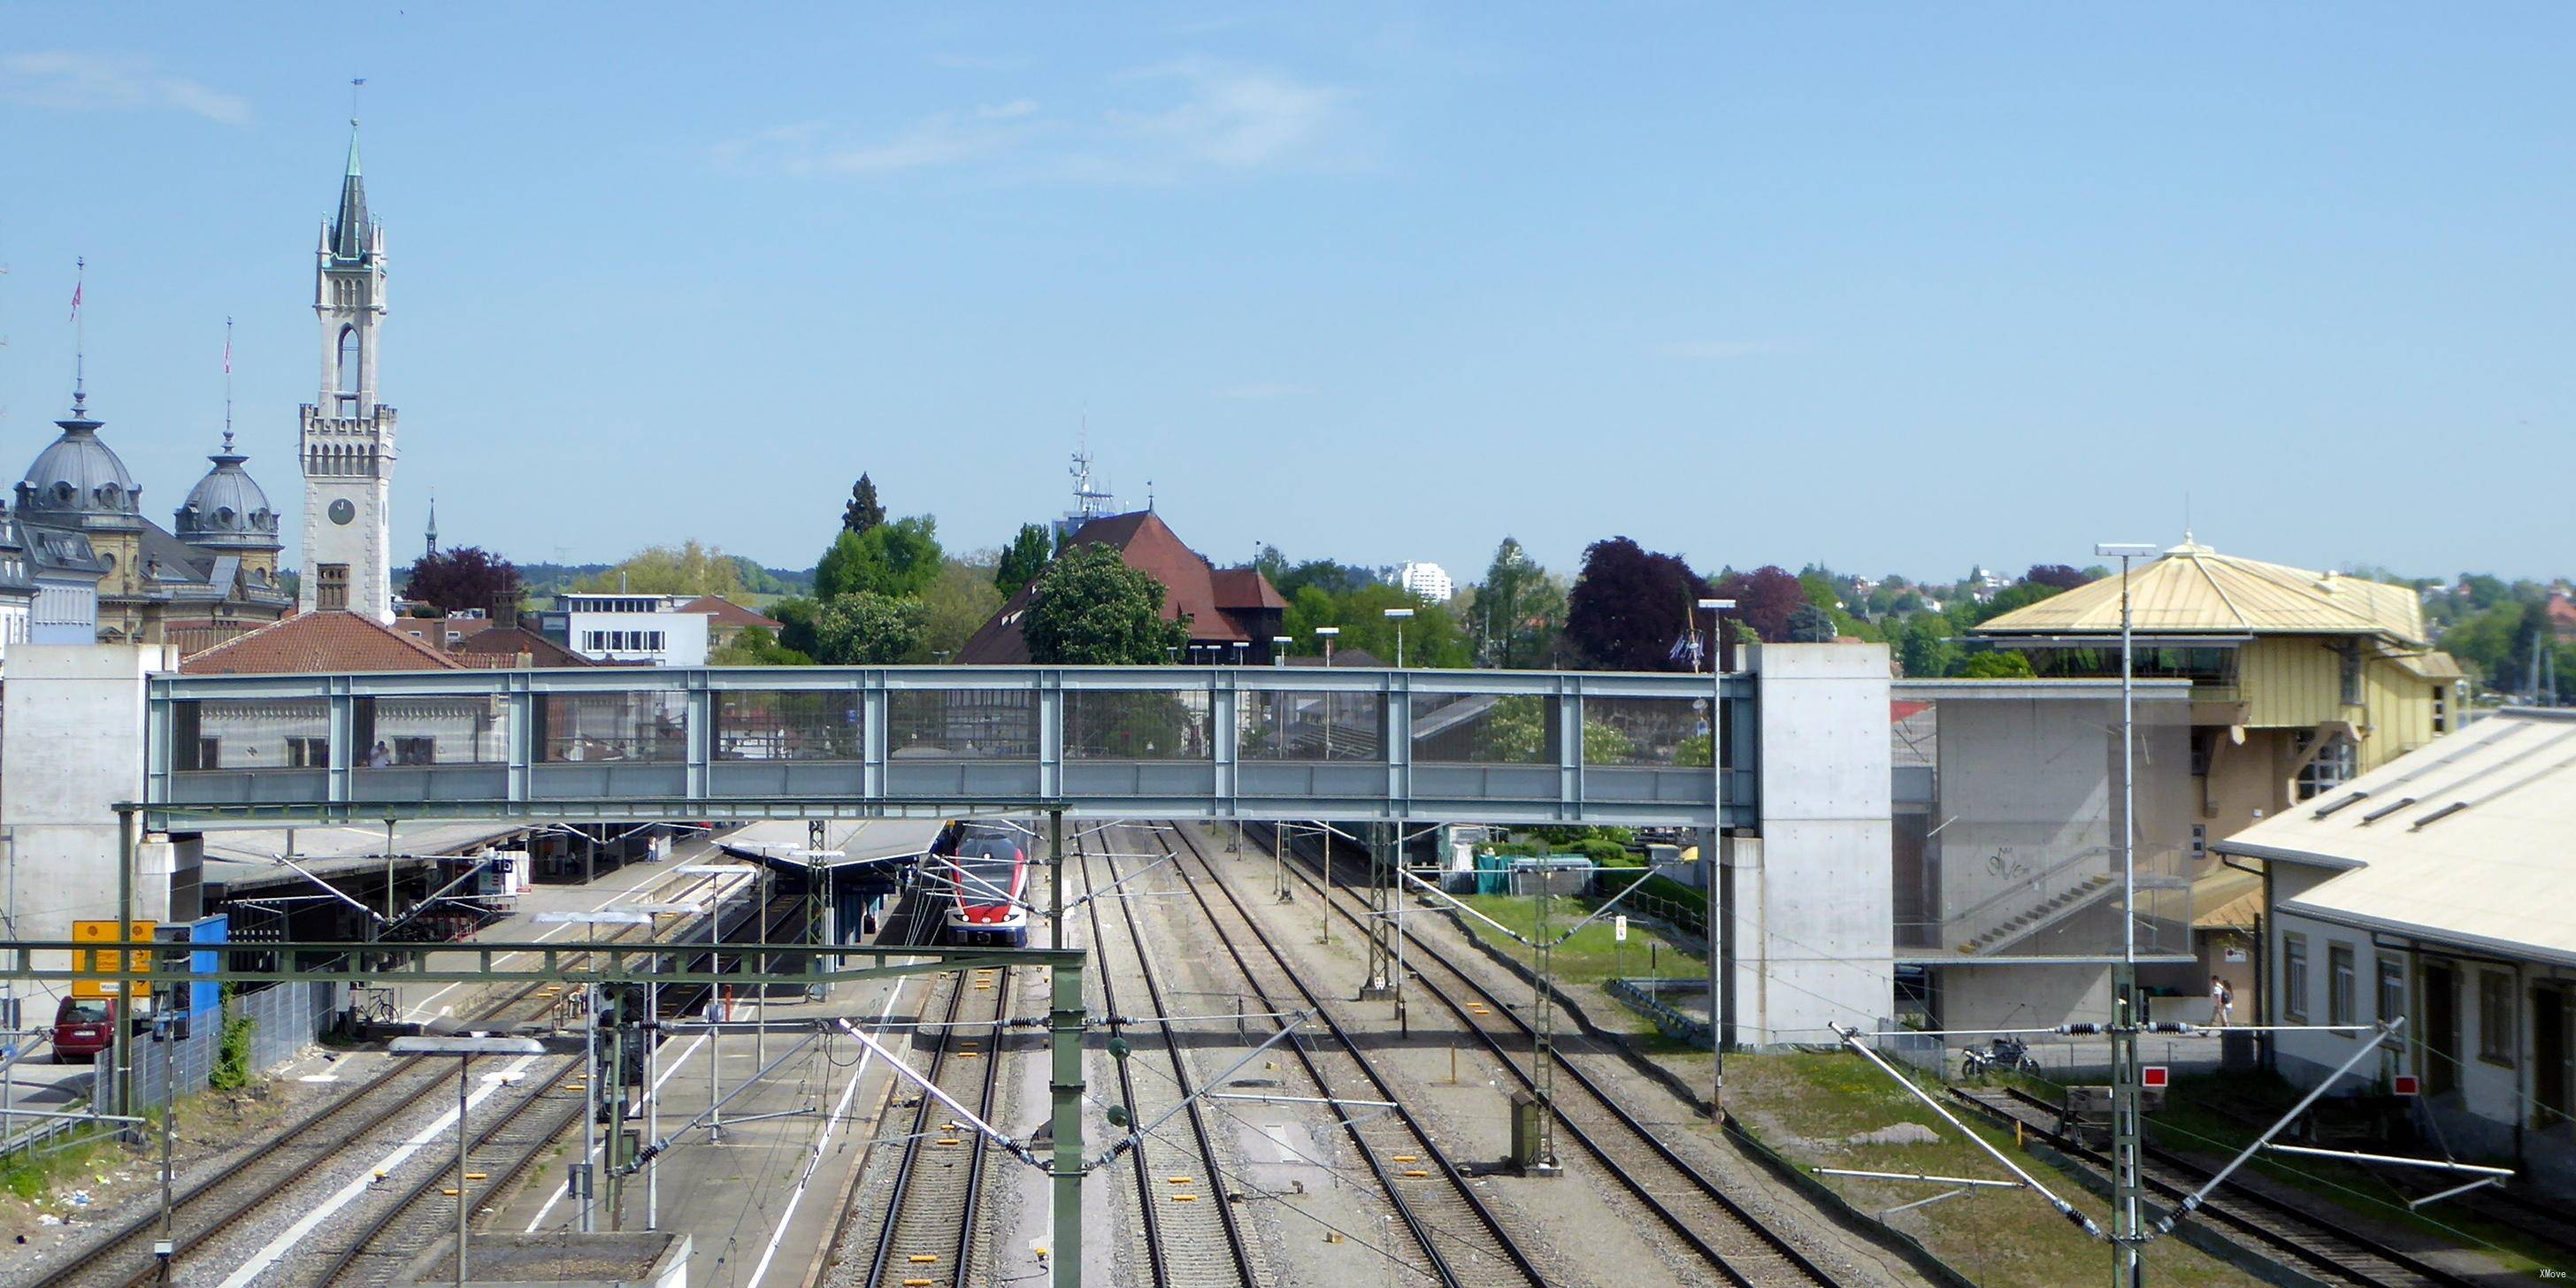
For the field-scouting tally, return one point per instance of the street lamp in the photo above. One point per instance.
(1242, 650)
(1399, 617)
(1328, 634)
(1719, 1018)
(2128, 1209)
(464, 1049)
(1279, 645)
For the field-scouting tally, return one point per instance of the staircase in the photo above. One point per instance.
(2065, 903)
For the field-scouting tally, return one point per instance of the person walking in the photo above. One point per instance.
(2222, 1002)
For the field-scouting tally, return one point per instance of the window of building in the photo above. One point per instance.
(2349, 670)
(331, 588)
(2392, 989)
(210, 754)
(415, 751)
(2340, 984)
(308, 753)
(348, 378)
(2498, 1022)
(2294, 978)
(2329, 769)
(2441, 708)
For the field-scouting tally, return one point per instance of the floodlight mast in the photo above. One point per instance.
(1720, 1017)
(2128, 1133)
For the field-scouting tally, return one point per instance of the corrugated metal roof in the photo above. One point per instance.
(2465, 840)
(2195, 588)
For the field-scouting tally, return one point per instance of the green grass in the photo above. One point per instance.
(1807, 1106)
(33, 1178)
(1592, 955)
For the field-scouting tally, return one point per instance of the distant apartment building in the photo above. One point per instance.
(629, 629)
(2300, 680)
(1429, 580)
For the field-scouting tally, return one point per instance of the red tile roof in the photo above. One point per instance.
(501, 646)
(1209, 597)
(314, 642)
(721, 611)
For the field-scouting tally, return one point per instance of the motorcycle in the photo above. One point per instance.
(2002, 1054)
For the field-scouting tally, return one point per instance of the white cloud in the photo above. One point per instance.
(1220, 120)
(1263, 391)
(89, 82)
(1715, 350)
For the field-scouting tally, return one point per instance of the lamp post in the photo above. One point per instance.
(464, 1049)
(716, 1010)
(1399, 616)
(590, 921)
(2128, 1209)
(1328, 634)
(1720, 1016)
(1279, 645)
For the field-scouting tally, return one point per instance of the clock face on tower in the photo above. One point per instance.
(342, 512)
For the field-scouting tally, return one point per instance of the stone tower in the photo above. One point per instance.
(348, 437)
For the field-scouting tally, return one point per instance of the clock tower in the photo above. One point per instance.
(348, 437)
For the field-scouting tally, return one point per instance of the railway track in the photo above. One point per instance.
(1460, 1239)
(1191, 1234)
(2249, 1217)
(933, 1233)
(270, 1179)
(1687, 1201)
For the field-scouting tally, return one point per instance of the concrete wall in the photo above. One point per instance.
(1812, 920)
(2023, 995)
(71, 750)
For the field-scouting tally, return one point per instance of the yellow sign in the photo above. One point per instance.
(110, 961)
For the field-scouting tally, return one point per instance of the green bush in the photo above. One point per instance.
(232, 1070)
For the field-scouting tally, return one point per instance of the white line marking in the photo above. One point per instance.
(821, 1139)
(281, 1245)
(562, 1186)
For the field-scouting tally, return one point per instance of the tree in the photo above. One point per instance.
(954, 608)
(757, 646)
(1764, 599)
(1810, 624)
(1021, 560)
(2058, 575)
(796, 622)
(2003, 664)
(466, 577)
(863, 628)
(863, 512)
(1923, 646)
(1631, 605)
(898, 559)
(1091, 609)
(1518, 611)
(685, 569)
(2021, 594)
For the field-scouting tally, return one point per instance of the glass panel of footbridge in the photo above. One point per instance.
(631, 742)
(970, 743)
(788, 742)
(1648, 750)
(1311, 744)
(1486, 746)
(233, 750)
(1146, 743)
(431, 747)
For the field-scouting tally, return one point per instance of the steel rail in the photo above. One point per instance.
(1158, 1254)
(1423, 1232)
(1656, 1198)
(2248, 1214)
(906, 1205)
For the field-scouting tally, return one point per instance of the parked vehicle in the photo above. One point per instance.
(83, 1027)
(2002, 1054)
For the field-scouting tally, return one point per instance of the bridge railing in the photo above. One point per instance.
(1503, 746)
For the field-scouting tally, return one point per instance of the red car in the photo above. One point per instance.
(83, 1027)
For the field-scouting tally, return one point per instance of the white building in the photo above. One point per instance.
(635, 629)
(1429, 580)
(2440, 887)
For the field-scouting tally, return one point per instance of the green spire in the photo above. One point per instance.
(349, 238)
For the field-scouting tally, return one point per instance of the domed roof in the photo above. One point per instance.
(227, 507)
(77, 475)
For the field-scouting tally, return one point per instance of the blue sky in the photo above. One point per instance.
(1899, 288)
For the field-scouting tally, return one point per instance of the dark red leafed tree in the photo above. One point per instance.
(2058, 575)
(466, 577)
(1765, 598)
(1630, 605)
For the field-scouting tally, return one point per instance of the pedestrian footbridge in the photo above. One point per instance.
(729, 743)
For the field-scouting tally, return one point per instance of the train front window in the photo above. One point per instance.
(985, 876)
